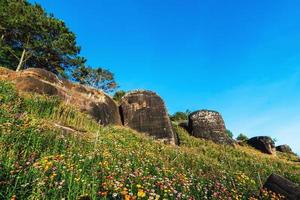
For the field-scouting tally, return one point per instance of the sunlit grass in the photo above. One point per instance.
(41, 161)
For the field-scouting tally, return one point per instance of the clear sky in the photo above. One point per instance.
(241, 58)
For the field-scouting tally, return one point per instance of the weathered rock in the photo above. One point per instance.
(282, 186)
(145, 111)
(94, 102)
(263, 143)
(4, 73)
(208, 125)
(284, 148)
(34, 85)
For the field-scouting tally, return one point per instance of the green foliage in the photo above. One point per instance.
(242, 137)
(32, 38)
(7, 92)
(229, 133)
(40, 161)
(118, 95)
(95, 77)
(180, 116)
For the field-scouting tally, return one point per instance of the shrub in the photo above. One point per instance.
(118, 95)
(242, 137)
(229, 133)
(179, 116)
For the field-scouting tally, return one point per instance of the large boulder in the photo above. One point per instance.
(263, 143)
(208, 125)
(145, 111)
(94, 102)
(282, 186)
(284, 148)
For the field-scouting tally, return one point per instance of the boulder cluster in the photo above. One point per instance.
(144, 111)
(141, 110)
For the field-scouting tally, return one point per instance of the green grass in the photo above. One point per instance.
(41, 161)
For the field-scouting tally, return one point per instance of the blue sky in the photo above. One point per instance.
(241, 58)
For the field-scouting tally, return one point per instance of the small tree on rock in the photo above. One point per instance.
(229, 133)
(118, 95)
(179, 116)
(98, 78)
(242, 137)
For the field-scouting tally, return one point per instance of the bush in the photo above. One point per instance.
(118, 95)
(179, 116)
(229, 133)
(242, 137)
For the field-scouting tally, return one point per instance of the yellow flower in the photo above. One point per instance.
(77, 179)
(53, 176)
(138, 186)
(141, 193)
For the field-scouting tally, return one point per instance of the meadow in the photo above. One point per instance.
(49, 150)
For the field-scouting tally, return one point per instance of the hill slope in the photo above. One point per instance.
(51, 151)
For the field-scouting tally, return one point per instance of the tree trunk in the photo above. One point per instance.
(21, 60)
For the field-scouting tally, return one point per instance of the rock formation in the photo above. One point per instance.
(284, 148)
(263, 143)
(94, 102)
(208, 125)
(145, 111)
(282, 186)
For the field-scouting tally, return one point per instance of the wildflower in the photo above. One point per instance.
(103, 194)
(141, 193)
(77, 179)
(127, 197)
(53, 176)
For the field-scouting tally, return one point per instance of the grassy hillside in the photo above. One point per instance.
(51, 151)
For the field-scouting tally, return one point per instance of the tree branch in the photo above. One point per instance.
(13, 54)
(29, 55)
